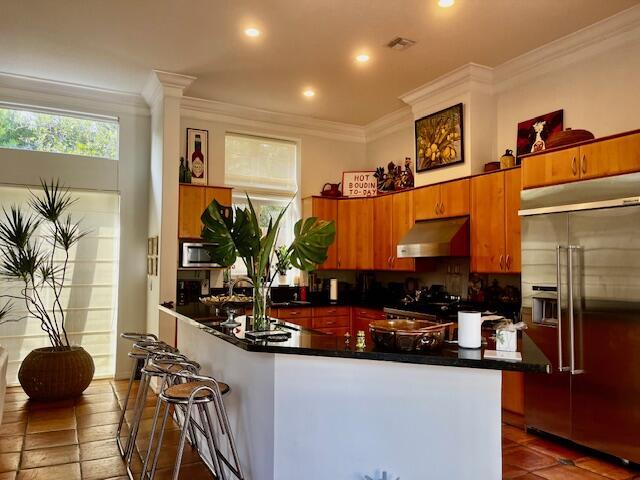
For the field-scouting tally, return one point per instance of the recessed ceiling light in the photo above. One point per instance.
(252, 32)
(309, 92)
(362, 58)
(446, 3)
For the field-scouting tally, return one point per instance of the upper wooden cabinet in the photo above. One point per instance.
(602, 158)
(193, 199)
(392, 219)
(326, 209)
(449, 199)
(355, 234)
(402, 220)
(610, 157)
(495, 226)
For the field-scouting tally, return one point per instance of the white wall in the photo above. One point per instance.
(595, 86)
(128, 176)
(322, 159)
(598, 93)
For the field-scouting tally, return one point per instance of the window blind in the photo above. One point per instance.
(258, 163)
(90, 294)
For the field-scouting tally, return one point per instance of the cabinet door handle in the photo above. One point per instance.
(574, 166)
(435, 208)
(584, 164)
(441, 208)
(501, 262)
(508, 264)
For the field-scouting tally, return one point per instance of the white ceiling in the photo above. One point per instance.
(114, 44)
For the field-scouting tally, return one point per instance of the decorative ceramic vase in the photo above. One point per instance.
(261, 306)
(56, 373)
(507, 160)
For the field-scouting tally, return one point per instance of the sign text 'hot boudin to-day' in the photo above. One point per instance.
(359, 184)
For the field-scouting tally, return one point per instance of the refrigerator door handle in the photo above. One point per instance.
(559, 249)
(572, 339)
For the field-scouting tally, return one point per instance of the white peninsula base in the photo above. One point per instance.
(318, 418)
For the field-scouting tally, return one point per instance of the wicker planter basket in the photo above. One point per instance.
(49, 374)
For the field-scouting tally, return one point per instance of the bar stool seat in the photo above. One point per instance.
(182, 391)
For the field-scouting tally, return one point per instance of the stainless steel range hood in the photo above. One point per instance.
(447, 237)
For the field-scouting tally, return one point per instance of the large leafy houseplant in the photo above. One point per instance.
(34, 255)
(236, 233)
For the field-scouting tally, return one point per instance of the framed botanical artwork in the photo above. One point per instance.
(533, 133)
(198, 154)
(440, 139)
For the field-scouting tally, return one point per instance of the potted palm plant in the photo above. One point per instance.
(34, 256)
(236, 233)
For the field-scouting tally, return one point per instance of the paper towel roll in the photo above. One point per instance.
(333, 290)
(469, 324)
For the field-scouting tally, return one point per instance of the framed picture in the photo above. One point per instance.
(198, 154)
(533, 133)
(440, 139)
(359, 184)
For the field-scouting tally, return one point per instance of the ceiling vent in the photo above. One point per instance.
(400, 43)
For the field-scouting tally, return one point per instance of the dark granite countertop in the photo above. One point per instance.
(310, 342)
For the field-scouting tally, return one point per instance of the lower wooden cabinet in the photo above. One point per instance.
(336, 331)
(513, 392)
(331, 322)
(360, 320)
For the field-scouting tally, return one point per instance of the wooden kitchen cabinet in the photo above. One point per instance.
(609, 156)
(551, 168)
(360, 320)
(355, 234)
(193, 199)
(382, 232)
(449, 199)
(495, 226)
(513, 392)
(326, 209)
(392, 219)
(402, 220)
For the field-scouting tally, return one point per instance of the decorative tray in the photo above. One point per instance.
(237, 300)
(408, 335)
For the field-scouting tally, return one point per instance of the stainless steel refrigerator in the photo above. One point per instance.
(581, 302)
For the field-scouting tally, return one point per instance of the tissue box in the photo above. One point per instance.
(507, 340)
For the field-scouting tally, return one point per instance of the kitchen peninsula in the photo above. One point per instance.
(292, 403)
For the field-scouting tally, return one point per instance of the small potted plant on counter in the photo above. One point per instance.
(236, 232)
(283, 264)
(34, 256)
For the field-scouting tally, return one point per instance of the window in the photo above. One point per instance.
(267, 170)
(90, 295)
(44, 131)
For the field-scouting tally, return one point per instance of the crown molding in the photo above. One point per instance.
(27, 90)
(602, 36)
(254, 117)
(471, 76)
(389, 123)
(165, 84)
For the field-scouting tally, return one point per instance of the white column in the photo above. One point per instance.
(163, 92)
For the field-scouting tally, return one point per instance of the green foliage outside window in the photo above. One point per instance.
(46, 132)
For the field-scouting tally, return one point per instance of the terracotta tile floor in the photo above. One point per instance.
(532, 457)
(76, 440)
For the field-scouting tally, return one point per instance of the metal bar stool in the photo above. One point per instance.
(145, 343)
(173, 365)
(200, 392)
(137, 357)
(160, 364)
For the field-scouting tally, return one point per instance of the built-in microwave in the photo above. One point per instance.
(196, 255)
